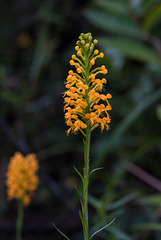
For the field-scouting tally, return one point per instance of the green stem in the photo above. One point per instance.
(86, 182)
(86, 157)
(19, 220)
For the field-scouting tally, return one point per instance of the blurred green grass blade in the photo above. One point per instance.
(96, 203)
(57, 149)
(124, 125)
(154, 199)
(12, 98)
(118, 233)
(99, 204)
(121, 202)
(148, 146)
(2, 75)
(149, 226)
(158, 111)
(115, 7)
(45, 14)
(132, 49)
(60, 232)
(147, 7)
(39, 54)
(112, 23)
(43, 51)
(152, 17)
(109, 192)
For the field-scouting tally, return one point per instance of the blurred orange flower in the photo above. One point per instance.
(22, 179)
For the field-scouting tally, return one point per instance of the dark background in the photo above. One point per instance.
(37, 39)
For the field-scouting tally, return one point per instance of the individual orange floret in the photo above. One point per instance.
(70, 72)
(100, 108)
(109, 96)
(102, 67)
(81, 85)
(93, 95)
(79, 53)
(96, 51)
(79, 70)
(101, 55)
(76, 48)
(74, 57)
(92, 76)
(103, 122)
(81, 104)
(92, 62)
(79, 124)
(72, 62)
(104, 71)
(22, 179)
(92, 117)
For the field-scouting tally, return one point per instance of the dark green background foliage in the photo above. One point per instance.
(37, 39)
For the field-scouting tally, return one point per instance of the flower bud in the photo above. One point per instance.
(95, 41)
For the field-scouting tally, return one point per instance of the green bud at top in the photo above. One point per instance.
(82, 42)
(78, 43)
(87, 46)
(90, 38)
(95, 41)
(76, 48)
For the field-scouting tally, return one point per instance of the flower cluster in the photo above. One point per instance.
(22, 179)
(85, 105)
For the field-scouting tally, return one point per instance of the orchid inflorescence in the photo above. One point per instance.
(85, 105)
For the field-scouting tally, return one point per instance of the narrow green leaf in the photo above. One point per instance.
(57, 149)
(149, 145)
(82, 205)
(82, 220)
(132, 48)
(96, 169)
(112, 23)
(109, 196)
(99, 230)
(121, 202)
(78, 173)
(39, 54)
(154, 199)
(78, 191)
(152, 17)
(119, 234)
(149, 226)
(158, 111)
(2, 75)
(61, 232)
(95, 202)
(114, 7)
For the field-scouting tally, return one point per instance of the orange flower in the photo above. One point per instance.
(22, 179)
(85, 105)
